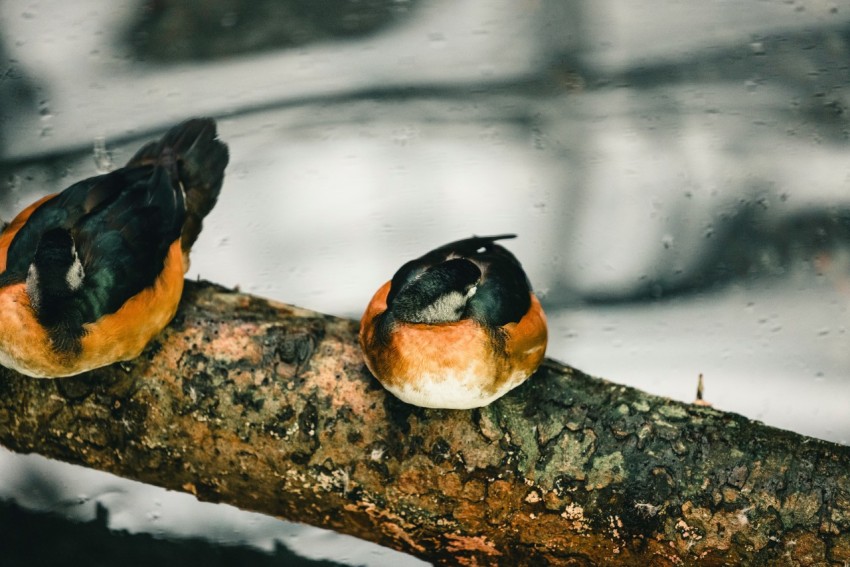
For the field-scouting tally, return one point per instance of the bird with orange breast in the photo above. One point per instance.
(456, 328)
(90, 275)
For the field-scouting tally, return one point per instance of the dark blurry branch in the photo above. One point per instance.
(269, 408)
(31, 538)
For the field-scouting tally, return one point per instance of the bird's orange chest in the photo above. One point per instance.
(440, 349)
(26, 347)
(24, 343)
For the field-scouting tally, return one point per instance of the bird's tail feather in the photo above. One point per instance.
(201, 159)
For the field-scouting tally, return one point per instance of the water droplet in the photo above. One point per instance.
(229, 19)
(13, 182)
(757, 48)
(538, 139)
(436, 39)
(102, 157)
(667, 241)
(405, 135)
(46, 119)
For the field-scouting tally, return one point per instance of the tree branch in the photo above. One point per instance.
(268, 407)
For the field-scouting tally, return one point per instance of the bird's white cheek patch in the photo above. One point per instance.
(32, 286)
(75, 274)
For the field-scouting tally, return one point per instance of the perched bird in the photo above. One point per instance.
(88, 276)
(457, 328)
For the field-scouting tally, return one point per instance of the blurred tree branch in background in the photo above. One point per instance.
(167, 31)
(31, 538)
(269, 408)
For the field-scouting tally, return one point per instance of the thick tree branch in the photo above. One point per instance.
(269, 408)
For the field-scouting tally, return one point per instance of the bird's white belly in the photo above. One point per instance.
(451, 389)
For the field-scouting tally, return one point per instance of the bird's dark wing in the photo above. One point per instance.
(503, 294)
(201, 159)
(122, 224)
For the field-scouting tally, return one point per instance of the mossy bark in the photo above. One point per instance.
(270, 408)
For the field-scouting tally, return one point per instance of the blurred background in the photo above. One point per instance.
(678, 174)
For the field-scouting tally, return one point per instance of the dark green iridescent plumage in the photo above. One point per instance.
(121, 226)
(502, 290)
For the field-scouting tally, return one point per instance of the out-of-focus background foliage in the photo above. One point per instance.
(678, 174)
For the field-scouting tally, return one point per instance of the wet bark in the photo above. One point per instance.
(269, 407)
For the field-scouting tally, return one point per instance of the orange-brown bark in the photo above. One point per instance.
(270, 408)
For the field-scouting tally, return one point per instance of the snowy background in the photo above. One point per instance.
(678, 174)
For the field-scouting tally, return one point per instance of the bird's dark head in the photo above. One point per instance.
(56, 272)
(438, 295)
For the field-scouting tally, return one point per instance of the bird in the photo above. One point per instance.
(456, 328)
(89, 275)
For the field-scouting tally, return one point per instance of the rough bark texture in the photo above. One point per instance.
(269, 407)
